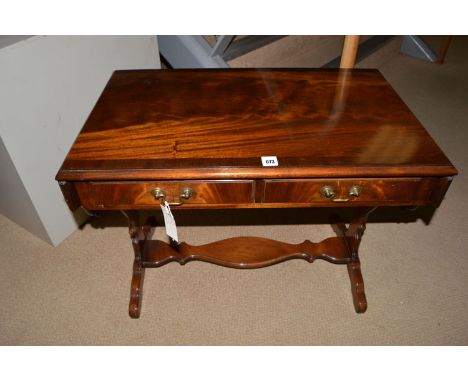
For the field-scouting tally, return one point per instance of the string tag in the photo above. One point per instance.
(169, 222)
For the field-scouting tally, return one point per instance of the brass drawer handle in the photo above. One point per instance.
(329, 192)
(186, 193)
(336, 200)
(160, 194)
(355, 191)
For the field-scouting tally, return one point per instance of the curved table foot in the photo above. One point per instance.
(357, 287)
(139, 235)
(136, 291)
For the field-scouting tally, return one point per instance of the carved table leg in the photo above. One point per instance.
(353, 235)
(138, 235)
(357, 286)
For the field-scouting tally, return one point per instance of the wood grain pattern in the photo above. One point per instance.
(137, 195)
(417, 191)
(215, 124)
(262, 194)
(245, 252)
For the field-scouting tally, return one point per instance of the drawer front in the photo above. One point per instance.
(407, 191)
(129, 195)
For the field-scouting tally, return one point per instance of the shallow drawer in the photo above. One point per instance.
(414, 191)
(128, 195)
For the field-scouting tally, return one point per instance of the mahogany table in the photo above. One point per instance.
(196, 138)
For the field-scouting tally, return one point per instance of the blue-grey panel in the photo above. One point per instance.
(189, 52)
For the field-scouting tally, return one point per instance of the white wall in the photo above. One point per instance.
(15, 202)
(48, 86)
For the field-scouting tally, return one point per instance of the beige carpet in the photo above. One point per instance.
(415, 274)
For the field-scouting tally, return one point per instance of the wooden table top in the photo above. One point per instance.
(217, 124)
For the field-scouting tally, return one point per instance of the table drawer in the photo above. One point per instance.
(389, 191)
(128, 195)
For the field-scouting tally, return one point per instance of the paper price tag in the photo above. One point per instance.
(269, 161)
(169, 222)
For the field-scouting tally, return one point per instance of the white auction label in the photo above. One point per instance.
(169, 222)
(269, 161)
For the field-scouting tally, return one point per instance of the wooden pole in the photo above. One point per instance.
(348, 56)
(443, 49)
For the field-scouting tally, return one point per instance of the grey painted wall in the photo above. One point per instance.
(15, 202)
(49, 84)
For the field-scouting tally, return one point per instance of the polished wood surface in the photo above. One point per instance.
(350, 48)
(137, 195)
(257, 194)
(217, 124)
(245, 252)
(390, 191)
(138, 235)
(206, 131)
